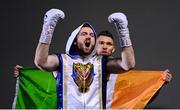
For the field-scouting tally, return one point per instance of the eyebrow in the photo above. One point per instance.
(87, 33)
(105, 42)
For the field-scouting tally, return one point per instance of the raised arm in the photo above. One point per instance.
(127, 60)
(42, 59)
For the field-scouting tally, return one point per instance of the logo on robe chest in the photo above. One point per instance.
(83, 76)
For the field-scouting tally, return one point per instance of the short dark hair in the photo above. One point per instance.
(106, 33)
(86, 25)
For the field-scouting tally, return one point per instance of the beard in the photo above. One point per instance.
(89, 49)
(86, 49)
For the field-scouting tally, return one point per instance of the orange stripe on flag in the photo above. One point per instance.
(134, 89)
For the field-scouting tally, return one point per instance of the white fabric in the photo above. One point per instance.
(72, 97)
(72, 37)
(124, 38)
(50, 20)
(121, 23)
(110, 90)
(120, 18)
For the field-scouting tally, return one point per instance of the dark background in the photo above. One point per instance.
(154, 28)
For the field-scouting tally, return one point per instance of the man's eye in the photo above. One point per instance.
(109, 43)
(101, 42)
(92, 35)
(83, 34)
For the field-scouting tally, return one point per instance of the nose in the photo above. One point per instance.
(88, 38)
(104, 46)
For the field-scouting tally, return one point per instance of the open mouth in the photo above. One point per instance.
(87, 43)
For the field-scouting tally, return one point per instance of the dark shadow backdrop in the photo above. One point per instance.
(154, 27)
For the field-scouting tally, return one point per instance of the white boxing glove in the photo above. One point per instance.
(119, 18)
(121, 23)
(50, 20)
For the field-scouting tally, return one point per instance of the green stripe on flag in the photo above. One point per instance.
(36, 90)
